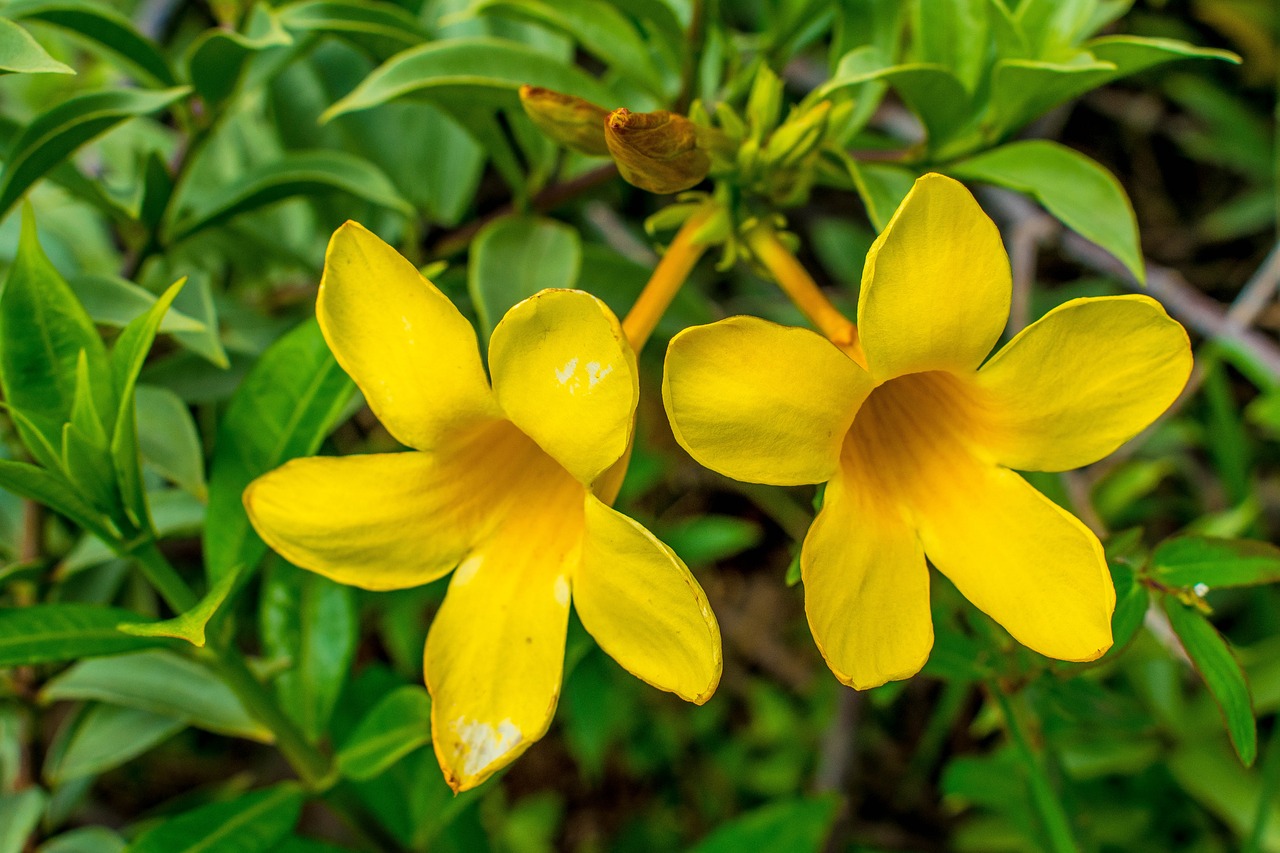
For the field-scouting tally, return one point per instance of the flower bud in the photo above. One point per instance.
(656, 151)
(572, 122)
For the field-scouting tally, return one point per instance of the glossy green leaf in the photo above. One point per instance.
(395, 727)
(953, 34)
(354, 17)
(88, 839)
(55, 134)
(599, 28)
(311, 621)
(19, 814)
(931, 91)
(251, 823)
(160, 682)
(49, 633)
(1189, 561)
(168, 439)
(196, 300)
(105, 737)
(1077, 190)
(467, 74)
(788, 826)
(53, 490)
(514, 257)
(114, 301)
(1131, 54)
(882, 188)
(189, 626)
(101, 26)
(21, 54)
(1221, 672)
(1132, 600)
(217, 59)
(284, 408)
(707, 538)
(43, 332)
(295, 173)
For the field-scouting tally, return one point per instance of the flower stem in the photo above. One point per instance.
(1052, 814)
(668, 277)
(161, 575)
(800, 287)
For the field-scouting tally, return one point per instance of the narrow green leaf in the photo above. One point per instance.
(187, 626)
(313, 622)
(1189, 561)
(160, 682)
(467, 74)
(395, 727)
(954, 34)
(89, 839)
(105, 737)
(1132, 600)
(354, 17)
(19, 814)
(251, 823)
(168, 439)
(1131, 54)
(600, 29)
(52, 490)
(1022, 89)
(1078, 191)
(101, 26)
(285, 407)
(114, 301)
(932, 92)
(295, 173)
(21, 54)
(52, 136)
(789, 826)
(49, 633)
(217, 59)
(514, 257)
(43, 331)
(1221, 672)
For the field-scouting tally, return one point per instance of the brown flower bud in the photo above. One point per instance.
(656, 151)
(572, 122)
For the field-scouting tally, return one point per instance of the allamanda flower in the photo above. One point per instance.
(918, 440)
(498, 484)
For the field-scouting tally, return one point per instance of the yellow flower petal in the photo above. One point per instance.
(761, 402)
(402, 341)
(644, 608)
(1022, 560)
(1084, 379)
(936, 285)
(495, 651)
(866, 589)
(565, 375)
(385, 521)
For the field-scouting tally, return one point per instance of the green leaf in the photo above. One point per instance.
(43, 332)
(600, 29)
(514, 257)
(52, 136)
(285, 407)
(105, 737)
(707, 538)
(217, 59)
(1131, 54)
(19, 814)
(313, 622)
(89, 839)
(789, 826)
(1189, 561)
(1132, 600)
(882, 188)
(114, 301)
(187, 626)
(160, 682)
(101, 26)
(21, 54)
(395, 727)
(1078, 191)
(1221, 672)
(465, 75)
(127, 357)
(952, 33)
(294, 173)
(251, 823)
(52, 490)
(49, 633)
(168, 439)
(354, 17)
(1023, 89)
(930, 91)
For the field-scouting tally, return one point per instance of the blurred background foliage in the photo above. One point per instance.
(222, 142)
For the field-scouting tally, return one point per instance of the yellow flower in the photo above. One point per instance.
(499, 484)
(918, 442)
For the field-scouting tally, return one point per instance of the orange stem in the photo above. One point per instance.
(800, 287)
(668, 277)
